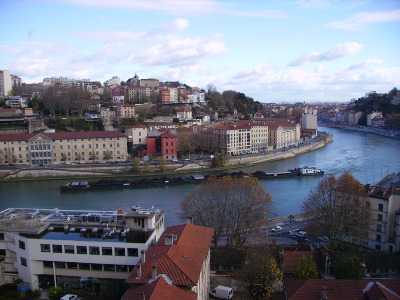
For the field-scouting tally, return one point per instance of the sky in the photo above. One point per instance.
(271, 50)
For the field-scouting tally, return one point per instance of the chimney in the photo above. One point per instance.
(323, 295)
(189, 220)
(153, 272)
(143, 256)
(169, 239)
(139, 271)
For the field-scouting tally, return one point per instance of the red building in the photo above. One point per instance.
(169, 146)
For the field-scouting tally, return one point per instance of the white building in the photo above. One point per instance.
(371, 116)
(309, 121)
(16, 102)
(115, 80)
(184, 114)
(5, 83)
(139, 134)
(75, 249)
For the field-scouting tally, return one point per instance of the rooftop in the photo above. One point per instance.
(88, 225)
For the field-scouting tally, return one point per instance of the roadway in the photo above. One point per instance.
(284, 237)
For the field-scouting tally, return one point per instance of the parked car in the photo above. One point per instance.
(222, 292)
(301, 234)
(276, 229)
(70, 297)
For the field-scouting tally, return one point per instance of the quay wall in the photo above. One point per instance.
(88, 170)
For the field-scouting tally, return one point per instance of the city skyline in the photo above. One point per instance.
(304, 50)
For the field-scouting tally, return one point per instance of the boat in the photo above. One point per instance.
(307, 171)
(115, 184)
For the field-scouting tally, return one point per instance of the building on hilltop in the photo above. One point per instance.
(76, 249)
(181, 258)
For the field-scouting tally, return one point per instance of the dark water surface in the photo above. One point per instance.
(367, 156)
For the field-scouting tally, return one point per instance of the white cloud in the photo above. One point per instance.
(315, 4)
(339, 51)
(368, 62)
(180, 51)
(181, 7)
(359, 20)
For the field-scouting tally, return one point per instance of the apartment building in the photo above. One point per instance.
(150, 83)
(5, 83)
(139, 134)
(76, 249)
(126, 110)
(63, 147)
(184, 113)
(137, 93)
(167, 96)
(309, 121)
(180, 260)
(283, 134)
(231, 138)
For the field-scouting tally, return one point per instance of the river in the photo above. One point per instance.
(367, 156)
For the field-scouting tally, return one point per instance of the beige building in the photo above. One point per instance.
(384, 231)
(283, 134)
(138, 93)
(309, 121)
(126, 110)
(139, 134)
(63, 147)
(5, 83)
(150, 83)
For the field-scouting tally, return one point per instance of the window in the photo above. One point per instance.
(47, 264)
(378, 237)
(72, 265)
(22, 245)
(106, 251)
(97, 267)
(132, 252)
(119, 251)
(94, 250)
(378, 247)
(379, 217)
(379, 227)
(380, 208)
(81, 249)
(23, 262)
(2, 252)
(69, 249)
(122, 268)
(83, 266)
(109, 268)
(1, 236)
(44, 247)
(59, 264)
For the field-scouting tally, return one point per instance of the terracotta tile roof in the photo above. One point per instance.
(181, 262)
(168, 135)
(139, 126)
(159, 289)
(290, 258)
(63, 135)
(335, 289)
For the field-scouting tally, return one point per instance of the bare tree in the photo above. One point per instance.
(233, 206)
(338, 208)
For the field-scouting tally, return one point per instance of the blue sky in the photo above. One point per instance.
(294, 50)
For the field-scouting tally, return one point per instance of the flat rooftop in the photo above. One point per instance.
(86, 223)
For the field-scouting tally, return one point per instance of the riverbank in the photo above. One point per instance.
(395, 134)
(109, 171)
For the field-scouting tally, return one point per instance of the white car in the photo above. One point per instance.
(276, 229)
(301, 234)
(70, 297)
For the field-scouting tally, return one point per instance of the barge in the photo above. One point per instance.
(120, 184)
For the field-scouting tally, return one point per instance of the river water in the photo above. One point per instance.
(367, 156)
